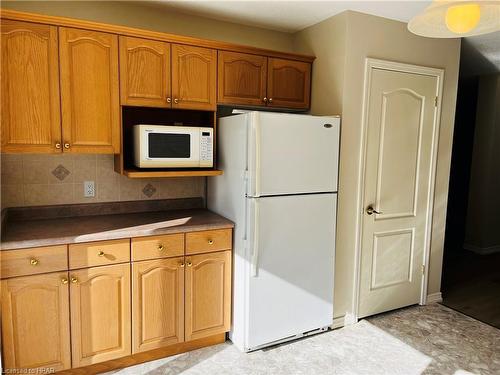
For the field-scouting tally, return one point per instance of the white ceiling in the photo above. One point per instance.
(291, 16)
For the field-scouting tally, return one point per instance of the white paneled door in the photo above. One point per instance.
(400, 128)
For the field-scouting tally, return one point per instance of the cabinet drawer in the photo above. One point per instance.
(101, 253)
(33, 261)
(208, 241)
(158, 247)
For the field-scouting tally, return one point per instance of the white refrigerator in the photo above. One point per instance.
(280, 188)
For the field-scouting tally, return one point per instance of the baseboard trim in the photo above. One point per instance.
(482, 250)
(338, 322)
(434, 297)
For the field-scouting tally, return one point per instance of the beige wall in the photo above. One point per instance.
(483, 221)
(148, 15)
(31, 180)
(369, 36)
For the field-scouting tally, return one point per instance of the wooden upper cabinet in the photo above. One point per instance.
(35, 322)
(30, 88)
(89, 91)
(100, 314)
(242, 78)
(194, 73)
(157, 303)
(208, 294)
(288, 83)
(144, 72)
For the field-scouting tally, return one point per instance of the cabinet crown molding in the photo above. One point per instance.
(142, 33)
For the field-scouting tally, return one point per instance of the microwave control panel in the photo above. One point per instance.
(206, 148)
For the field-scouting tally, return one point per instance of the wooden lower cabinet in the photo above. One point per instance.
(100, 314)
(35, 322)
(207, 294)
(157, 303)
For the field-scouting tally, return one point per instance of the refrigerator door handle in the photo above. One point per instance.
(255, 253)
(257, 158)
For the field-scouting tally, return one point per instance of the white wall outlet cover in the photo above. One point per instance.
(88, 189)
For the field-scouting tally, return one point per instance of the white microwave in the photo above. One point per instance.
(162, 146)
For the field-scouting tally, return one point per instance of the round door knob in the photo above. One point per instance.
(370, 211)
(160, 247)
(58, 145)
(100, 253)
(169, 100)
(66, 146)
(264, 100)
(210, 242)
(64, 280)
(74, 280)
(33, 261)
(176, 101)
(189, 264)
(270, 100)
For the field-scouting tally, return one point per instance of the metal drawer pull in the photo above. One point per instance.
(100, 253)
(33, 261)
(210, 242)
(160, 247)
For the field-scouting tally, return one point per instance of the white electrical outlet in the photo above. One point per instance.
(88, 189)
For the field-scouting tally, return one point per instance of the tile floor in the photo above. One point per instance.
(429, 339)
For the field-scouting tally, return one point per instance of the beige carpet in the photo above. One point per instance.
(417, 340)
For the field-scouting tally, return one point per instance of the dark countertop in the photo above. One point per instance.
(21, 232)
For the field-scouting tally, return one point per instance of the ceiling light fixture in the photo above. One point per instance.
(457, 18)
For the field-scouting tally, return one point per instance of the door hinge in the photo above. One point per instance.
(423, 269)
(436, 101)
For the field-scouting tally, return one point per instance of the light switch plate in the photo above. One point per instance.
(88, 189)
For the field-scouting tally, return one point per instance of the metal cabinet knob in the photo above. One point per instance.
(270, 100)
(189, 264)
(169, 100)
(264, 100)
(100, 253)
(33, 261)
(66, 146)
(370, 211)
(181, 265)
(176, 101)
(74, 280)
(58, 145)
(64, 280)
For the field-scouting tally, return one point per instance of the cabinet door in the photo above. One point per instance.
(157, 303)
(194, 77)
(144, 72)
(100, 314)
(35, 322)
(30, 88)
(288, 83)
(89, 91)
(242, 78)
(208, 294)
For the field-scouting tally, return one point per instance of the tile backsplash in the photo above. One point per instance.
(41, 179)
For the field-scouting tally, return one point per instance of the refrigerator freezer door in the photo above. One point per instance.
(290, 276)
(292, 154)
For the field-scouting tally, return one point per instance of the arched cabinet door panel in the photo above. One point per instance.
(30, 88)
(144, 72)
(288, 83)
(90, 104)
(157, 303)
(100, 314)
(35, 322)
(194, 71)
(242, 78)
(208, 294)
